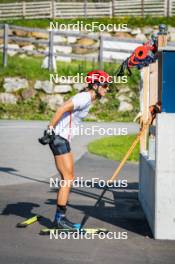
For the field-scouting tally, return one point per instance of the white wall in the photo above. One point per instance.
(157, 183)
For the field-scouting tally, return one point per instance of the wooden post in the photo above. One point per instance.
(153, 83)
(162, 36)
(5, 48)
(85, 8)
(100, 56)
(113, 8)
(153, 96)
(150, 87)
(53, 6)
(145, 106)
(110, 9)
(142, 6)
(50, 59)
(23, 9)
(162, 42)
(168, 6)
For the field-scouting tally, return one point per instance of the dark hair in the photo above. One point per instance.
(86, 89)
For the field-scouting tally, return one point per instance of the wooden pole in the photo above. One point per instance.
(23, 9)
(50, 61)
(110, 9)
(153, 93)
(100, 56)
(142, 4)
(145, 105)
(130, 150)
(113, 8)
(167, 7)
(53, 6)
(85, 8)
(5, 48)
(162, 42)
(162, 36)
(150, 86)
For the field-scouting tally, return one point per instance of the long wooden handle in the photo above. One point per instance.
(145, 126)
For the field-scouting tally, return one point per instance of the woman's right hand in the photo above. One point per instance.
(50, 130)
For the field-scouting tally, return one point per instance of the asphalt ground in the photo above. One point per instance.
(23, 159)
(119, 211)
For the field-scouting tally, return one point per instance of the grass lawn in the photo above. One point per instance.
(30, 68)
(114, 147)
(131, 21)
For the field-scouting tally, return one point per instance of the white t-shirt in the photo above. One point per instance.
(67, 125)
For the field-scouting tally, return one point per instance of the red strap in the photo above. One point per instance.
(70, 125)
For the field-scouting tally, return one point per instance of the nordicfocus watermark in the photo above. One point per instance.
(88, 27)
(56, 234)
(94, 130)
(80, 78)
(79, 182)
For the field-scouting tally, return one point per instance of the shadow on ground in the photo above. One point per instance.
(118, 207)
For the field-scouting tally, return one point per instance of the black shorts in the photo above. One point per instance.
(60, 146)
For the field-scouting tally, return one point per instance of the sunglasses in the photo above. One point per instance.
(104, 85)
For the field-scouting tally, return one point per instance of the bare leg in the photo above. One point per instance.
(65, 166)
